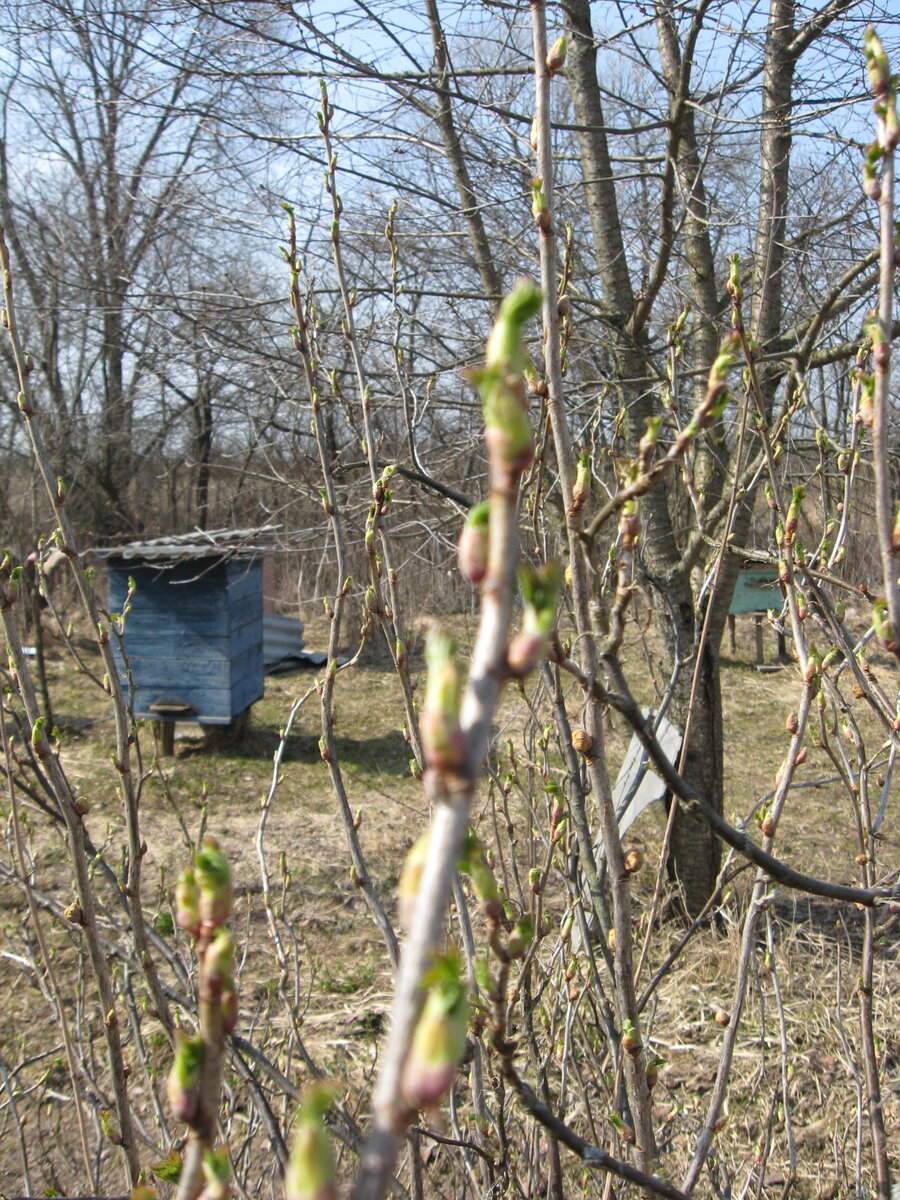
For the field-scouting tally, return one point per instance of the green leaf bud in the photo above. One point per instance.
(501, 381)
(884, 629)
(539, 593)
(793, 515)
(556, 56)
(212, 873)
(539, 207)
(582, 485)
(877, 66)
(472, 548)
(442, 740)
(310, 1173)
(439, 1039)
(183, 1084)
(187, 903)
(484, 885)
(219, 959)
(522, 936)
(410, 880)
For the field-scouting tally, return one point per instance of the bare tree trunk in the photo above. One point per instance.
(471, 210)
(203, 427)
(694, 857)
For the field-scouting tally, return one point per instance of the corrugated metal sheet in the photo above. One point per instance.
(282, 639)
(211, 543)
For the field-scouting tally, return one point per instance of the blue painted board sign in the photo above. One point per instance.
(756, 591)
(193, 637)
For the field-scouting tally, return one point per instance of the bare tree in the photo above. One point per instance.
(107, 138)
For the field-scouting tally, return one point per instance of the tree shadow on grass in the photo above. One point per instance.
(387, 754)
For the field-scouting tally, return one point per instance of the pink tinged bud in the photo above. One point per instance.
(582, 486)
(714, 402)
(187, 903)
(442, 740)
(217, 1173)
(310, 1173)
(631, 1041)
(525, 652)
(501, 381)
(484, 885)
(213, 875)
(511, 445)
(438, 1045)
(229, 1008)
(647, 444)
(890, 136)
(793, 515)
(556, 57)
(183, 1084)
(539, 591)
(734, 286)
(813, 671)
(410, 880)
(539, 208)
(521, 937)
(866, 413)
(472, 548)
(39, 742)
(884, 629)
(219, 960)
(629, 525)
(877, 65)
(871, 181)
(534, 383)
(505, 349)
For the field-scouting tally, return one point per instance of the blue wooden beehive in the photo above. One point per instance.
(194, 633)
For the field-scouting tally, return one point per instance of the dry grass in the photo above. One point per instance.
(340, 969)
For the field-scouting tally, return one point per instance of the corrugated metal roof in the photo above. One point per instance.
(207, 543)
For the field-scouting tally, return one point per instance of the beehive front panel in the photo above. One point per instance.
(178, 638)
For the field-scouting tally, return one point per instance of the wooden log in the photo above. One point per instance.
(164, 732)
